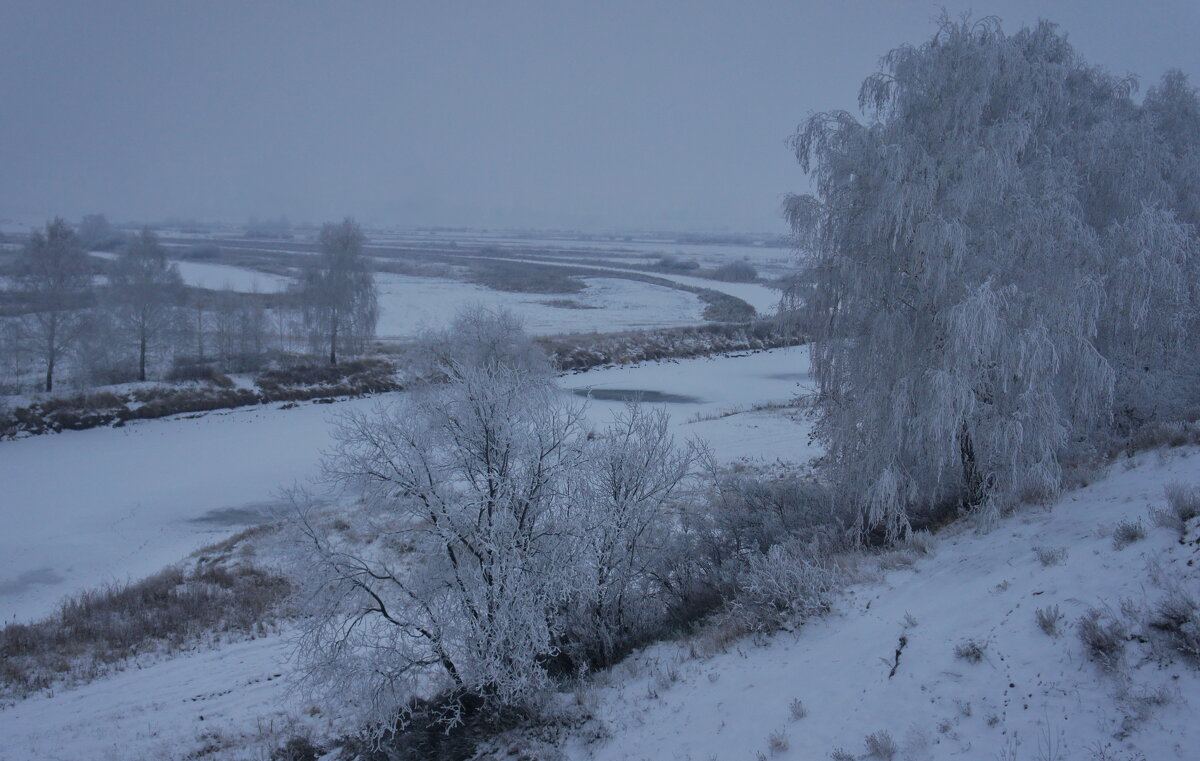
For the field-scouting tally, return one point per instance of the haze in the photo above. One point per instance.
(560, 115)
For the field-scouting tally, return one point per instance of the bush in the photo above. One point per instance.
(203, 252)
(1049, 556)
(783, 587)
(880, 745)
(189, 370)
(1127, 532)
(672, 263)
(1048, 618)
(1103, 638)
(1183, 505)
(970, 650)
(736, 272)
(1176, 619)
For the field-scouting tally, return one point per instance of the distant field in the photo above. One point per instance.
(408, 304)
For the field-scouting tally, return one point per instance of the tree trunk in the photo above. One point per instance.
(50, 356)
(142, 357)
(972, 480)
(333, 344)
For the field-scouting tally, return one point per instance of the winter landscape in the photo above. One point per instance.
(477, 426)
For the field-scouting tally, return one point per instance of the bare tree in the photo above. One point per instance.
(338, 292)
(146, 288)
(53, 275)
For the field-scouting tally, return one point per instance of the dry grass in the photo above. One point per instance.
(166, 612)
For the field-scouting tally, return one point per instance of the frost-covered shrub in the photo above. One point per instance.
(1049, 556)
(797, 710)
(1103, 638)
(1127, 532)
(880, 745)
(784, 586)
(970, 650)
(1048, 618)
(1176, 619)
(738, 272)
(1183, 504)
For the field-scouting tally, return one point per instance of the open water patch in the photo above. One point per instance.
(635, 395)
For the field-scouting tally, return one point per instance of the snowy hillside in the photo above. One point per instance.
(1029, 696)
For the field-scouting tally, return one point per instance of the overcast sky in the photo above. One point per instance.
(594, 115)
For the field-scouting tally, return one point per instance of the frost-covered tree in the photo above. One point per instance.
(464, 483)
(634, 472)
(53, 276)
(338, 292)
(491, 535)
(145, 289)
(962, 246)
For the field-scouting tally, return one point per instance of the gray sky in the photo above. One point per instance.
(595, 115)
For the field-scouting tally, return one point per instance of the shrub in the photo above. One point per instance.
(970, 650)
(672, 263)
(880, 745)
(1183, 504)
(202, 252)
(190, 370)
(297, 749)
(1127, 532)
(1103, 638)
(797, 710)
(782, 587)
(736, 272)
(1176, 619)
(1050, 555)
(778, 742)
(1048, 618)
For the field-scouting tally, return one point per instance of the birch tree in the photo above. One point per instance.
(146, 289)
(963, 247)
(338, 292)
(53, 275)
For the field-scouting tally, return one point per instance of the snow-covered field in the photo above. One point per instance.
(87, 507)
(409, 304)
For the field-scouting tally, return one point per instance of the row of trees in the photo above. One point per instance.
(133, 318)
(1004, 264)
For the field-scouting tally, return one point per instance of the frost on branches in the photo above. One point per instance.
(493, 538)
(1004, 268)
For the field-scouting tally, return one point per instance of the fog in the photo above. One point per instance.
(606, 115)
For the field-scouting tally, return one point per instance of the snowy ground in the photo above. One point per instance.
(109, 504)
(409, 304)
(1032, 696)
(233, 696)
